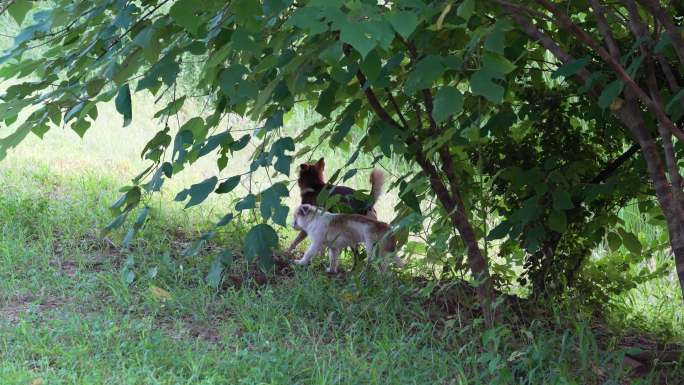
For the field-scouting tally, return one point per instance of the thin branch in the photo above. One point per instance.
(612, 166)
(599, 13)
(666, 20)
(516, 12)
(641, 32)
(584, 37)
(5, 7)
(670, 157)
(396, 107)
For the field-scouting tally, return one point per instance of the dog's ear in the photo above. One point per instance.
(303, 210)
(303, 166)
(307, 209)
(320, 165)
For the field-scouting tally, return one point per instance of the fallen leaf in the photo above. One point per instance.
(160, 294)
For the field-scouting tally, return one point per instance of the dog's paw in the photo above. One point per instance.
(330, 270)
(300, 262)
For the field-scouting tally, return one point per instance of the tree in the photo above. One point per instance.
(637, 75)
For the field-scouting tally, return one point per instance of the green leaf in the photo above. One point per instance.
(675, 99)
(197, 192)
(184, 13)
(466, 9)
(197, 127)
(500, 231)
(172, 108)
(221, 261)
(558, 221)
(137, 225)
(225, 220)
(357, 37)
(18, 10)
(123, 104)
(147, 39)
(270, 202)
(569, 69)
(80, 127)
(260, 242)
(94, 86)
(426, 72)
(404, 22)
(283, 161)
(562, 200)
(496, 41)
(229, 185)
(614, 241)
(482, 84)
(612, 91)
(116, 222)
(497, 64)
(326, 101)
(246, 203)
(532, 238)
(630, 241)
(448, 102)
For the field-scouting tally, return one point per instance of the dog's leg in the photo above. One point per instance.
(399, 261)
(300, 237)
(311, 252)
(356, 256)
(370, 250)
(334, 253)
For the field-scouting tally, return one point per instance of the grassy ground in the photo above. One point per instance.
(76, 309)
(71, 314)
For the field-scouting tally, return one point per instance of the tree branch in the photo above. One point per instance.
(396, 107)
(573, 28)
(5, 7)
(640, 31)
(666, 20)
(602, 24)
(612, 166)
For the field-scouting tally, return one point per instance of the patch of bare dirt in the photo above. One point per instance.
(254, 275)
(16, 307)
(189, 327)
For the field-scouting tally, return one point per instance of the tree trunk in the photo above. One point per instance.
(631, 117)
(452, 203)
(477, 262)
(677, 242)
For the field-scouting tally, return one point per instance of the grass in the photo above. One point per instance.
(68, 315)
(76, 310)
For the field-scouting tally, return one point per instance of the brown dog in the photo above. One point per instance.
(311, 183)
(337, 231)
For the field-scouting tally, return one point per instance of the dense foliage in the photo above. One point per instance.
(523, 164)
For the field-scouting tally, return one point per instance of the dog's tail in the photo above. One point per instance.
(377, 180)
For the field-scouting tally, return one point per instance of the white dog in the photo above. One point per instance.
(337, 231)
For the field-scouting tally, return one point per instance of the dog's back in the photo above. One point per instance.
(365, 230)
(311, 184)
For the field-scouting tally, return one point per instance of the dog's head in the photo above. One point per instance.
(302, 216)
(311, 174)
